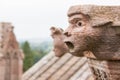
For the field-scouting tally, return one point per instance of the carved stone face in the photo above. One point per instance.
(93, 31)
(100, 39)
(78, 34)
(60, 47)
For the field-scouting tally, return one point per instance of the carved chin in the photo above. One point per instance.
(58, 53)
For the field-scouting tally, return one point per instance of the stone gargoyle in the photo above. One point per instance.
(95, 29)
(60, 48)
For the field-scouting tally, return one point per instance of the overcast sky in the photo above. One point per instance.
(33, 18)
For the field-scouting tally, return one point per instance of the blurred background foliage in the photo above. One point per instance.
(34, 52)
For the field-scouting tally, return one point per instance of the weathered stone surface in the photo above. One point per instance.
(60, 47)
(105, 70)
(94, 29)
(94, 32)
(11, 56)
(97, 14)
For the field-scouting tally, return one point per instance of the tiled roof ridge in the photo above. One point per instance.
(78, 66)
(67, 67)
(84, 72)
(54, 67)
(70, 66)
(43, 69)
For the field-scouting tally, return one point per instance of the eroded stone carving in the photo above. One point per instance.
(105, 69)
(94, 29)
(60, 47)
(94, 32)
(11, 56)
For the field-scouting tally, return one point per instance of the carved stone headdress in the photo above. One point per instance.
(98, 14)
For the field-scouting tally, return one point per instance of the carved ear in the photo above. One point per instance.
(103, 24)
(56, 31)
(53, 29)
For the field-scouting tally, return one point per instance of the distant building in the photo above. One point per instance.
(11, 56)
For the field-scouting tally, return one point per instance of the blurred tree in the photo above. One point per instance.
(29, 56)
(35, 52)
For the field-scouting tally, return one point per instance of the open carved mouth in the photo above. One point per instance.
(70, 45)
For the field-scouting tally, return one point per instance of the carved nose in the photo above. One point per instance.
(67, 34)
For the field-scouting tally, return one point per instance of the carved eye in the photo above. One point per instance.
(79, 23)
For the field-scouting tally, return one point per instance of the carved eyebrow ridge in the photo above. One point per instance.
(72, 14)
(74, 20)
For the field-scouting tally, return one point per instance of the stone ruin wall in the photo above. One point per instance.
(11, 57)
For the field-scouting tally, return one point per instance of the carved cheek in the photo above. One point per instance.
(77, 31)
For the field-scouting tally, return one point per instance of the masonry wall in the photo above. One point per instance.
(11, 56)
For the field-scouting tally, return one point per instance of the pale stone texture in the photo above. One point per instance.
(94, 32)
(60, 48)
(11, 56)
(94, 29)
